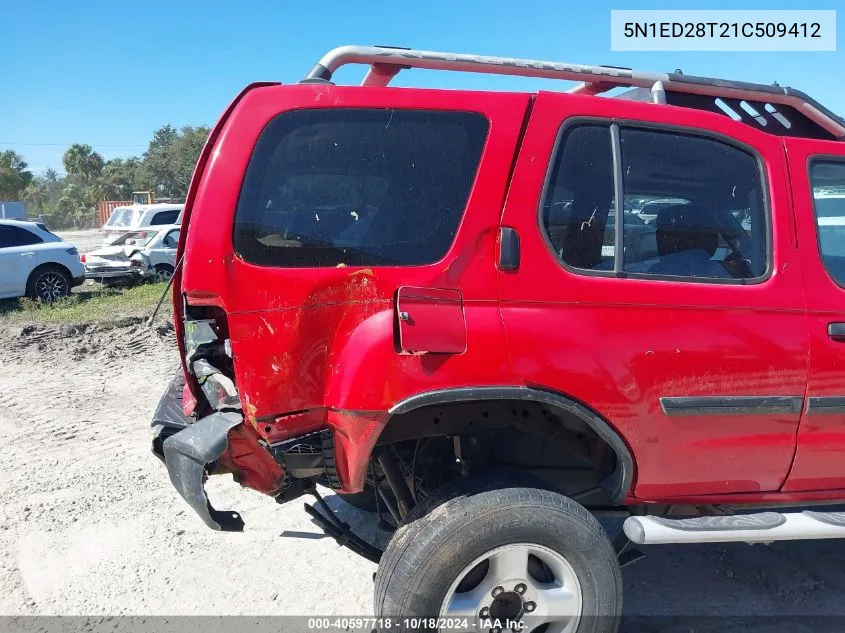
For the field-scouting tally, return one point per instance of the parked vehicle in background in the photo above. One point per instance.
(36, 263)
(123, 219)
(148, 253)
(12, 210)
(436, 299)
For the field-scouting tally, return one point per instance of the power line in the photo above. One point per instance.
(69, 144)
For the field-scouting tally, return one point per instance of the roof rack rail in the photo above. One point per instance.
(385, 63)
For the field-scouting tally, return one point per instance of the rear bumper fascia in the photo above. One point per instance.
(187, 447)
(186, 455)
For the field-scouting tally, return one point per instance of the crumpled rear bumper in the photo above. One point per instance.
(187, 447)
(186, 454)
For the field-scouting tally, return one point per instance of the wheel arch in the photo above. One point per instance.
(58, 265)
(617, 485)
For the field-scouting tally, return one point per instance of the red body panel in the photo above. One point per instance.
(325, 347)
(820, 458)
(306, 338)
(431, 320)
(618, 345)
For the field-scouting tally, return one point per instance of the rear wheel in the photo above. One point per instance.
(48, 283)
(163, 273)
(492, 550)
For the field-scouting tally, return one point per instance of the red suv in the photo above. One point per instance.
(488, 317)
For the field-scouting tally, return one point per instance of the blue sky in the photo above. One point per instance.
(108, 73)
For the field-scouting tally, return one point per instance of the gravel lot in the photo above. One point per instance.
(90, 525)
(85, 240)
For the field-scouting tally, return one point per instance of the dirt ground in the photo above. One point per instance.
(90, 525)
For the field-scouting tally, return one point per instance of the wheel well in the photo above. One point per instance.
(529, 430)
(41, 267)
(165, 266)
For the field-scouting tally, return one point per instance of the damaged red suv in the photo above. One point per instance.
(490, 317)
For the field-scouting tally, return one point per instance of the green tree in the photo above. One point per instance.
(36, 197)
(14, 177)
(72, 209)
(119, 178)
(82, 162)
(170, 159)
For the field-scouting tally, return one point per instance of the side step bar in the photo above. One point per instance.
(762, 527)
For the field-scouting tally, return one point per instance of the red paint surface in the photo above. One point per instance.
(618, 345)
(820, 458)
(431, 320)
(324, 339)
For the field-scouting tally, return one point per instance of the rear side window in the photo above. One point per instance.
(165, 217)
(828, 181)
(357, 187)
(121, 217)
(691, 206)
(17, 236)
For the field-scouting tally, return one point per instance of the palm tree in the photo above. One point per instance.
(82, 161)
(14, 176)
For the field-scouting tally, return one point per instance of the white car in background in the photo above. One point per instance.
(36, 263)
(147, 253)
(123, 219)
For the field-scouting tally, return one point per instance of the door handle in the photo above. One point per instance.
(508, 248)
(29, 254)
(836, 331)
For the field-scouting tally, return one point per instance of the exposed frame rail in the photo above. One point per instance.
(385, 63)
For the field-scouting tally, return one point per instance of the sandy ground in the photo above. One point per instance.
(89, 523)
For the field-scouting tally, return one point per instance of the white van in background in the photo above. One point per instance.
(122, 219)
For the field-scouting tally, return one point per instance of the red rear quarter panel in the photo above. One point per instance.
(305, 338)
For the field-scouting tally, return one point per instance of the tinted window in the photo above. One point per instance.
(579, 198)
(17, 236)
(691, 207)
(356, 187)
(707, 193)
(828, 182)
(165, 217)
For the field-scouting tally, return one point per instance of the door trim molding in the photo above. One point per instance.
(820, 405)
(731, 405)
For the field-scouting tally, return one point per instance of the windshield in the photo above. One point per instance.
(140, 238)
(121, 217)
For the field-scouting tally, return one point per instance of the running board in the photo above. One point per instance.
(762, 527)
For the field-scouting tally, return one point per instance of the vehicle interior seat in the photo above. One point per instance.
(687, 238)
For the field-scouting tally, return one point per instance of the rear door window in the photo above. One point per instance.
(828, 182)
(17, 236)
(357, 187)
(692, 207)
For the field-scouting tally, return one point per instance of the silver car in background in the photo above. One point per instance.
(143, 254)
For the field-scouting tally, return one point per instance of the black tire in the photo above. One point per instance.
(364, 500)
(472, 516)
(163, 273)
(48, 283)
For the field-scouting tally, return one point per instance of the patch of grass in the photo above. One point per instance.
(88, 304)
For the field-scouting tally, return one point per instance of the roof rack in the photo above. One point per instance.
(673, 88)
